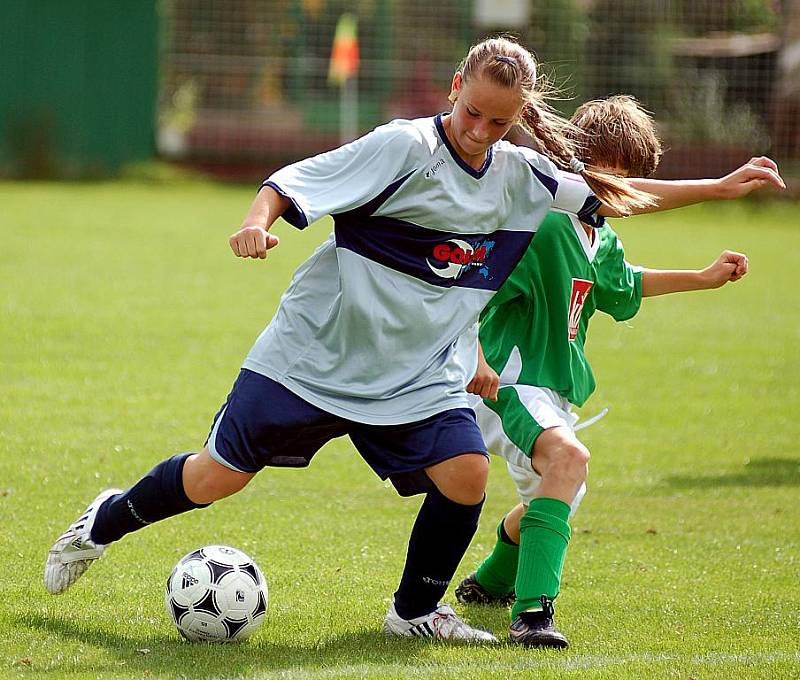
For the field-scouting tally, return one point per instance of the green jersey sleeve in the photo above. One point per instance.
(618, 290)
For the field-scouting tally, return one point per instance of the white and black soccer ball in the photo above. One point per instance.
(216, 594)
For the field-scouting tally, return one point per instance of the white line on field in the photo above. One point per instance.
(575, 663)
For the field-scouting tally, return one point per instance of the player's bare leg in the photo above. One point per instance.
(562, 461)
(205, 480)
(461, 479)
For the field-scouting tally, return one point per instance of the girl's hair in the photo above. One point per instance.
(619, 133)
(508, 64)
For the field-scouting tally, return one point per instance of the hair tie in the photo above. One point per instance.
(576, 166)
(505, 59)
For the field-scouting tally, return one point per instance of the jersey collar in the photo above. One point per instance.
(589, 248)
(477, 174)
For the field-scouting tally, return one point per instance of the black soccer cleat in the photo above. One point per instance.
(536, 629)
(469, 591)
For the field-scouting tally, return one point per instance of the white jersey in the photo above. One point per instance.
(379, 325)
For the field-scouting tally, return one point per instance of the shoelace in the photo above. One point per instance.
(547, 606)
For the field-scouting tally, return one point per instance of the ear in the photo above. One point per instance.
(455, 87)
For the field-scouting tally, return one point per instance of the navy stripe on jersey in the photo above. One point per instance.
(441, 258)
(549, 183)
(373, 204)
(294, 214)
(477, 174)
(588, 212)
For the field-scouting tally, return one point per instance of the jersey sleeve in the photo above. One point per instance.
(346, 177)
(569, 192)
(618, 290)
(575, 197)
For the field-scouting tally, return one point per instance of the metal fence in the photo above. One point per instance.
(245, 83)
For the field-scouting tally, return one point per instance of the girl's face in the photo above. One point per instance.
(483, 113)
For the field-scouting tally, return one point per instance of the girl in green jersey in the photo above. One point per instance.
(532, 336)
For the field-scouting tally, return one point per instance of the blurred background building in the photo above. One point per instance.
(237, 87)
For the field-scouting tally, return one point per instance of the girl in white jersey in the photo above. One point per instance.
(376, 336)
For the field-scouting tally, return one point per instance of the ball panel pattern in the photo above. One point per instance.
(218, 594)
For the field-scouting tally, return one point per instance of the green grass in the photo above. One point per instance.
(123, 322)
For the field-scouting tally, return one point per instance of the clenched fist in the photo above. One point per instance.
(252, 241)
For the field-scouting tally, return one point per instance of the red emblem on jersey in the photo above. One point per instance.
(580, 290)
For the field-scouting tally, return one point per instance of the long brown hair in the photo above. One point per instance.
(508, 64)
(617, 132)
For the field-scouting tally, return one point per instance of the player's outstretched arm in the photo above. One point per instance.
(252, 239)
(755, 174)
(729, 266)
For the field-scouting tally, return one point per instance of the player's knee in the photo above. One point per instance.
(462, 479)
(571, 462)
(471, 487)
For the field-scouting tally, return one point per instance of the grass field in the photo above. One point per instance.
(123, 322)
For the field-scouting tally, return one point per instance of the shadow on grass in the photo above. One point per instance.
(168, 656)
(758, 472)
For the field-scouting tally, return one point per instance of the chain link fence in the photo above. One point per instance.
(245, 86)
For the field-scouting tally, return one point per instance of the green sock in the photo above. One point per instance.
(544, 536)
(499, 570)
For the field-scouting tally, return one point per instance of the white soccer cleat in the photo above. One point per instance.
(74, 551)
(441, 624)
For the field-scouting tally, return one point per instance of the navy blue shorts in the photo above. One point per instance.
(263, 424)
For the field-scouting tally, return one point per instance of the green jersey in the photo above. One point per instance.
(533, 330)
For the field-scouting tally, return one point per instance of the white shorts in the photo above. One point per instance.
(511, 426)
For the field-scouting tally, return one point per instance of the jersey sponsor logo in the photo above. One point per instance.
(452, 258)
(577, 298)
(438, 165)
(441, 258)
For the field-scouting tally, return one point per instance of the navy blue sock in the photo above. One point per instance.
(440, 537)
(157, 495)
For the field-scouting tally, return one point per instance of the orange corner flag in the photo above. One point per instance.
(344, 55)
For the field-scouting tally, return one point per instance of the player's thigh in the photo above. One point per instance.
(262, 423)
(512, 425)
(445, 451)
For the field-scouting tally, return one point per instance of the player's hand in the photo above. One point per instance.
(486, 381)
(252, 241)
(758, 172)
(729, 266)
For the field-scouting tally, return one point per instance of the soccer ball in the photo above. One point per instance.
(216, 594)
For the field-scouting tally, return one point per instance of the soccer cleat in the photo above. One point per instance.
(441, 624)
(469, 591)
(74, 551)
(536, 629)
